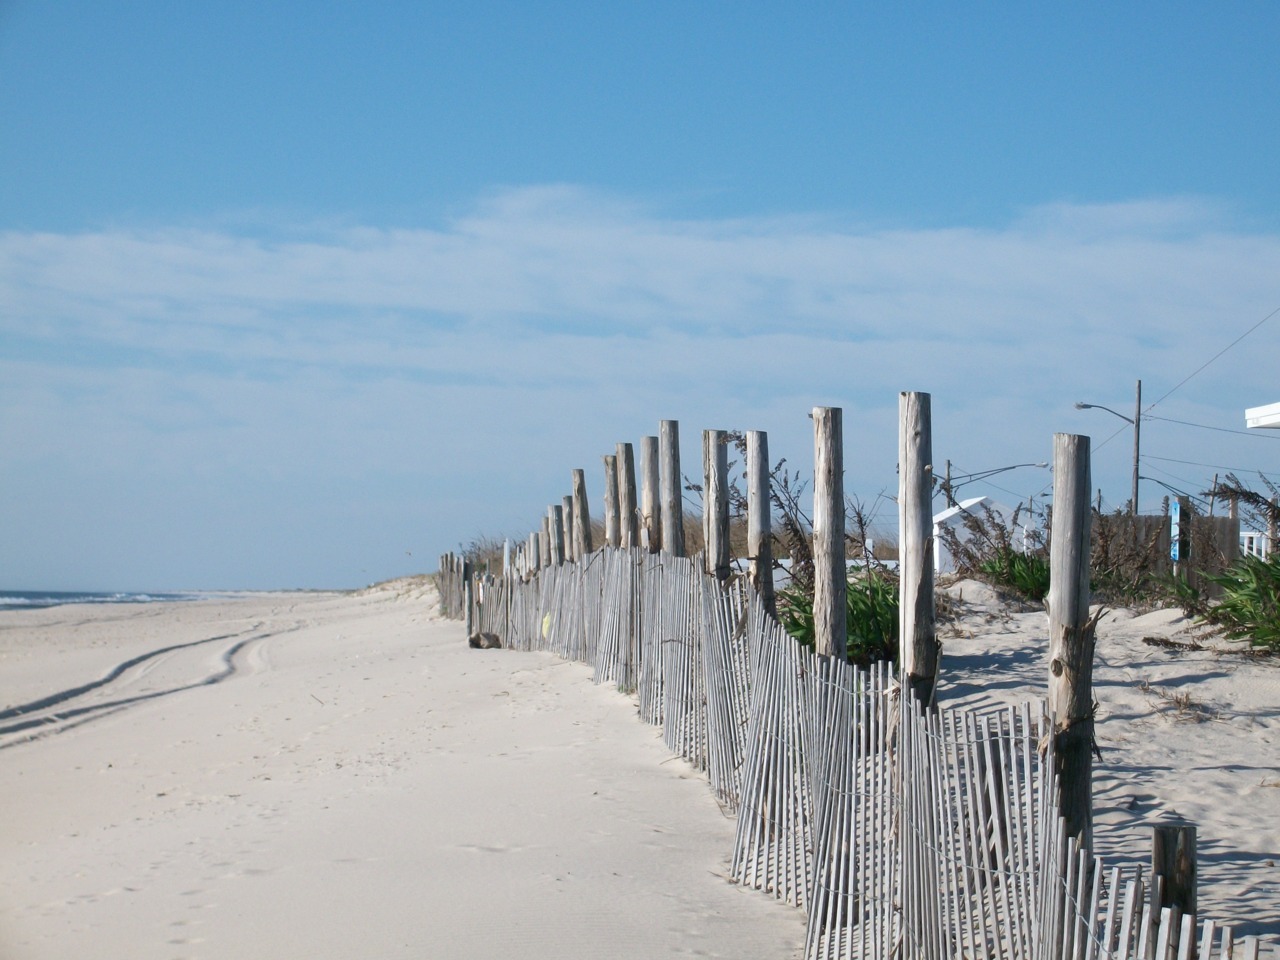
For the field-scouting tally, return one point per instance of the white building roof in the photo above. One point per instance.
(1268, 416)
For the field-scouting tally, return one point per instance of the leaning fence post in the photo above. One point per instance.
(1173, 856)
(715, 503)
(672, 508)
(630, 526)
(917, 632)
(612, 524)
(830, 611)
(650, 511)
(759, 520)
(581, 517)
(555, 535)
(1071, 637)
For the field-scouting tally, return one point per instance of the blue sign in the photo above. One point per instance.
(1175, 524)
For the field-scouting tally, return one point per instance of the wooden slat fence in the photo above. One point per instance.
(903, 832)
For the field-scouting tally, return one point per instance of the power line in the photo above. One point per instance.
(1202, 366)
(1196, 463)
(1205, 426)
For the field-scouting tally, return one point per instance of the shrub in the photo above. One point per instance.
(988, 553)
(872, 616)
(1024, 574)
(1250, 607)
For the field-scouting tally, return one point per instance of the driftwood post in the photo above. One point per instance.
(672, 508)
(533, 554)
(630, 532)
(612, 524)
(917, 633)
(544, 542)
(830, 609)
(566, 516)
(759, 519)
(715, 503)
(555, 536)
(1173, 856)
(581, 517)
(1071, 636)
(650, 511)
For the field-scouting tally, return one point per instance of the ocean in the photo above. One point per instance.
(31, 599)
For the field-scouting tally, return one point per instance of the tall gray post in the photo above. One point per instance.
(917, 632)
(627, 513)
(759, 519)
(715, 503)
(650, 509)
(830, 610)
(672, 507)
(1071, 635)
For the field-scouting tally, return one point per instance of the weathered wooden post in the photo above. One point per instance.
(567, 517)
(555, 531)
(1071, 635)
(468, 616)
(650, 511)
(759, 519)
(612, 521)
(533, 554)
(581, 517)
(830, 610)
(1173, 856)
(917, 631)
(630, 520)
(715, 503)
(672, 508)
(544, 542)
(1272, 516)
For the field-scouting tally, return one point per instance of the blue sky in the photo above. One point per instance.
(299, 295)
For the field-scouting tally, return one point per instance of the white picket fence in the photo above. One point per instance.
(902, 833)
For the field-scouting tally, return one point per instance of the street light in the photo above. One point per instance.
(1136, 420)
(949, 485)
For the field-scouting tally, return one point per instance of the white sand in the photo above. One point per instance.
(362, 785)
(1184, 735)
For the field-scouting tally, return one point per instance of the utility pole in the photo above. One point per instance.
(1137, 432)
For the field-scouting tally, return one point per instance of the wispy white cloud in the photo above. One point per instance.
(546, 323)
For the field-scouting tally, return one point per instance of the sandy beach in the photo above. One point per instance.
(334, 775)
(339, 775)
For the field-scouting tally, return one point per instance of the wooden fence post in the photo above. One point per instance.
(1071, 635)
(612, 520)
(533, 554)
(581, 517)
(917, 632)
(1173, 856)
(555, 535)
(630, 532)
(544, 542)
(467, 615)
(672, 508)
(715, 503)
(830, 576)
(759, 519)
(567, 518)
(650, 510)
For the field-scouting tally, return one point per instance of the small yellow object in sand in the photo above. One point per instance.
(546, 626)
